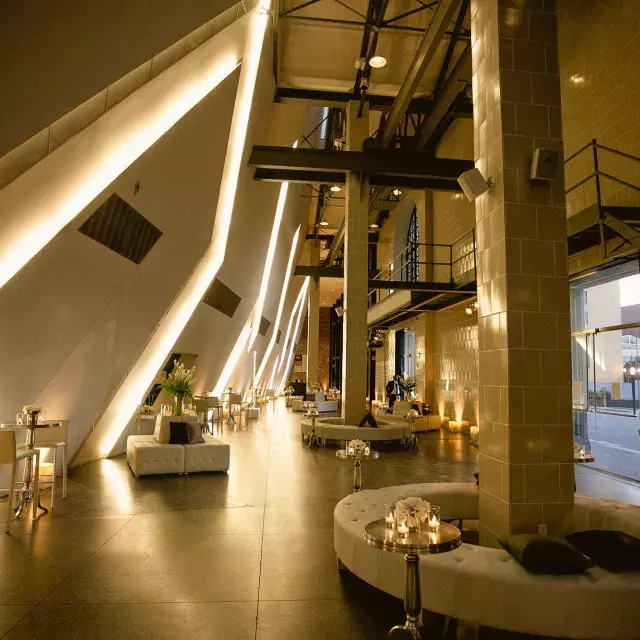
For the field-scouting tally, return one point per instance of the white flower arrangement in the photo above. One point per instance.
(415, 510)
(412, 414)
(30, 408)
(180, 381)
(358, 446)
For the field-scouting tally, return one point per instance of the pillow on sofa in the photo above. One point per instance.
(178, 433)
(545, 554)
(194, 433)
(612, 550)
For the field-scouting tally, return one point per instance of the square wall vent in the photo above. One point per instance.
(222, 298)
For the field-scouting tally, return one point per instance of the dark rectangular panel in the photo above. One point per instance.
(116, 225)
(222, 298)
(264, 326)
(279, 336)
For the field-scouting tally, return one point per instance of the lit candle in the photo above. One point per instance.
(390, 514)
(434, 518)
(403, 528)
(350, 451)
(582, 452)
(367, 449)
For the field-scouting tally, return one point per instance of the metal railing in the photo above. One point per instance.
(438, 263)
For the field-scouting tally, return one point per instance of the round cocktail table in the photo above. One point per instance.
(413, 545)
(357, 458)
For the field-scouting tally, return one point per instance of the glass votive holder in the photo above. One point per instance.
(434, 518)
(367, 448)
(351, 451)
(402, 527)
(390, 515)
(19, 418)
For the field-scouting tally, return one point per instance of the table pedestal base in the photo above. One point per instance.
(412, 602)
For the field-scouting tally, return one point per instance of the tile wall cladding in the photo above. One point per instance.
(456, 364)
(523, 293)
(599, 59)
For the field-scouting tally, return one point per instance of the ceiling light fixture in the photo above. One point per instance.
(396, 192)
(377, 62)
(471, 308)
(335, 188)
(374, 225)
(324, 223)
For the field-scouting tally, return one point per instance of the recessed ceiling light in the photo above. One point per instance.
(374, 225)
(396, 192)
(335, 188)
(377, 62)
(324, 223)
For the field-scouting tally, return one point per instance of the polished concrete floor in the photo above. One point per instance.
(248, 555)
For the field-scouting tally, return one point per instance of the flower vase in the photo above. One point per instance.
(178, 399)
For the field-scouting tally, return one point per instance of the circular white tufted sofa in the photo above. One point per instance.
(333, 429)
(487, 586)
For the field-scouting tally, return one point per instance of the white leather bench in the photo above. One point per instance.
(152, 454)
(332, 429)
(487, 586)
(322, 404)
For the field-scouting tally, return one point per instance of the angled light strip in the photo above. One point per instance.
(283, 296)
(294, 337)
(140, 377)
(232, 360)
(278, 363)
(41, 202)
(268, 264)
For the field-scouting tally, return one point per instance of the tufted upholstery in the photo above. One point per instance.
(147, 456)
(330, 429)
(163, 426)
(212, 455)
(322, 404)
(487, 586)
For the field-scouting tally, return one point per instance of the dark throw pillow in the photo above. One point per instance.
(368, 421)
(178, 433)
(194, 433)
(545, 554)
(612, 550)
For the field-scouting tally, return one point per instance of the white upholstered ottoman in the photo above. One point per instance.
(213, 455)
(147, 456)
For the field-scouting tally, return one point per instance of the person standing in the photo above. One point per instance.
(390, 390)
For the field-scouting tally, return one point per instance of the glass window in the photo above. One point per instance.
(412, 257)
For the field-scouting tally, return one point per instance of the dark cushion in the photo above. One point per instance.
(545, 554)
(178, 433)
(194, 433)
(612, 550)
(368, 421)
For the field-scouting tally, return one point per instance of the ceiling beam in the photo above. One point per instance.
(421, 61)
(302, 176)
(338, 98)
(457, 82)
(372, 161)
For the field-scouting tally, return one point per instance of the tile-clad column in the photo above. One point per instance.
(526, 470)
(313, 319)
(356, 238)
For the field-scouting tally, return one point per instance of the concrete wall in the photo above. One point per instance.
(599, 59)
(56, 55)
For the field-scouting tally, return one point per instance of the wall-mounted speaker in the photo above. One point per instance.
(473, 184)
(544, 164)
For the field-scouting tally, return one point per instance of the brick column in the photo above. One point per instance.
(313, 319)
(356, 238)
(526, 469)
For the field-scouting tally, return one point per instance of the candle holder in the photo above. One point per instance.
(390, 515)
(434, 518)
(402, 527)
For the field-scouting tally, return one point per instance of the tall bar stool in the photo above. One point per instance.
(202, 409)
(9, 454)
(236, 407)
(55, 438)
(215, 405)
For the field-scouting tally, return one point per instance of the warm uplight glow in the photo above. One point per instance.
(283, 296)
(234, 357)
(42, 201)
(294, 337)
(335, 188)
(143, 372)
(279, 361)
(377, 62)
(268, 264)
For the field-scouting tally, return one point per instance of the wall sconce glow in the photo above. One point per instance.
(278, 364)
(374, 225)
(283, 296)
(396, 192)
(296, 332)
(42, 201)
(273, 241)
(377, 62)
(335, 188)
(140, 377)
(324, 223)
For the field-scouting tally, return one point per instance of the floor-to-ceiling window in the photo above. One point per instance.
(606, 373)
(412, 265)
